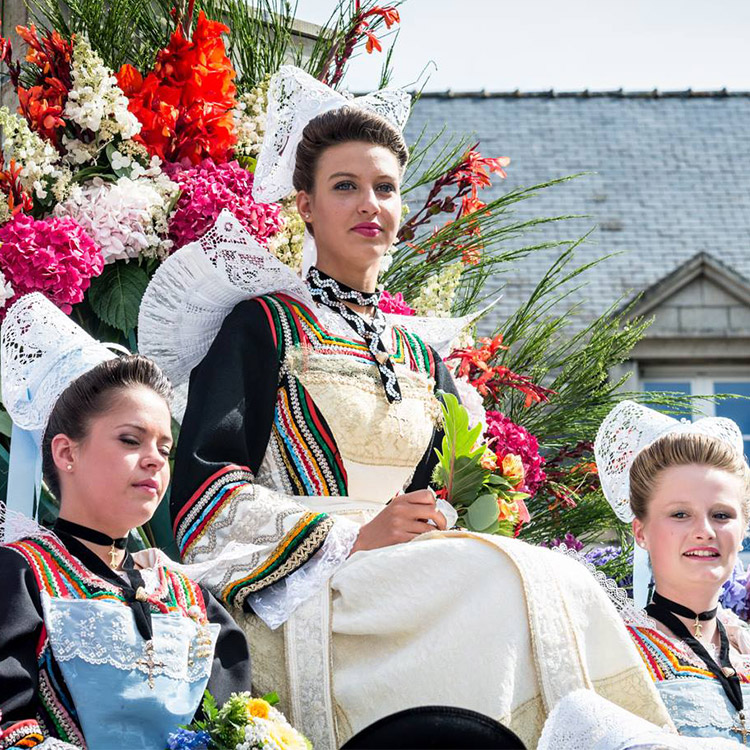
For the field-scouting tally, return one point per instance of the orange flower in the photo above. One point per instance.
(513, 469)
(185, 104)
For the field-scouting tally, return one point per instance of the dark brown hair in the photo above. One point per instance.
(92, 394)
(343, 126)
(683, 449)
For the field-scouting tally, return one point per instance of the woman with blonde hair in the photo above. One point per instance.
(685, 487)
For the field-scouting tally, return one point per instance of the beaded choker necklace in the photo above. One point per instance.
(327, 291)
(93, 536)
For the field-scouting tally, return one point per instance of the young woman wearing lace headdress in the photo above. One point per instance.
(689, 496)
(304, 459)
(99, 648)
(685, 487)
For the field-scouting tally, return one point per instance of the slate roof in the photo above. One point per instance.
(671, 177)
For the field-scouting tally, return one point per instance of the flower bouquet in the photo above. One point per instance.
(242, 723)
(483, 490)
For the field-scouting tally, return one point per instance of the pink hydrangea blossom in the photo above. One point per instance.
(53, 256)
(207, 188)
(394, 303)
(504, 437)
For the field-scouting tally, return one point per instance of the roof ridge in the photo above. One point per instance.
(586, 94)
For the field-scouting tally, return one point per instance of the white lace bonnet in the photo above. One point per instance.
(631, 427)
(295, 98)
(42, 351)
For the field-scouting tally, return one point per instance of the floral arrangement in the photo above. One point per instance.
(242, 723)
(54, 255)
(486, 493)
(206, 189)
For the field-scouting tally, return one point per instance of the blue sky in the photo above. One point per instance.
(502, 45)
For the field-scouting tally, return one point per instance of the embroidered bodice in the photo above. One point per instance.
(101, 684)
(693, 696)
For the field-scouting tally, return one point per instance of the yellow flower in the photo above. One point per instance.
(488, 460)
(287, 737)
(513, 469)
(257, 707)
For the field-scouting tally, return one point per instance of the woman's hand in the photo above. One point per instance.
(400, 521)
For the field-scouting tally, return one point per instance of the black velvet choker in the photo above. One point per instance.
(679, 609)
(93, 536)
(327, 291)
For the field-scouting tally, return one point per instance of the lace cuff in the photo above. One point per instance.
(275, 604)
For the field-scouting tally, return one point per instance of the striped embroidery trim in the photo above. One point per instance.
(61, 575)
(26, 733)
(310, 452)
(297, 546)
(293, 324)
(661, 659)
(55, 702)
(196, 515)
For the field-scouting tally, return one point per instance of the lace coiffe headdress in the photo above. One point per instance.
(624, 433)
(42, 351)
(295, 98)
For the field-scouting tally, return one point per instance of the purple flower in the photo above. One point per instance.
(186, 739)
(568, 540)
(734, 593)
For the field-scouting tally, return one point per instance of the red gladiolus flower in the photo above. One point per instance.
(185, 104)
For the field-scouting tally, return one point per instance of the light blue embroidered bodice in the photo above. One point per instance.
(700, 708)
(129, 693)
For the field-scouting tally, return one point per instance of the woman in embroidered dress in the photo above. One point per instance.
(305, 455)
(99, 648)
(688, 487)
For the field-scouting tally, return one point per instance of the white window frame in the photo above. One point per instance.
(701, 381)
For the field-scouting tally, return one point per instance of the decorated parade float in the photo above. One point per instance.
(139, 123)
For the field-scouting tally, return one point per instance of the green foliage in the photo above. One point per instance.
(115, 295)
(459, 469)
(121, 31)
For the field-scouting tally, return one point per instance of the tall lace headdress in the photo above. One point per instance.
(42, 351)
(624, 433)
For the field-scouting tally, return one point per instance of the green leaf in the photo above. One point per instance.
(6, 423)
(482, 512)
(115, 296)
(272, 698)
(467, 479)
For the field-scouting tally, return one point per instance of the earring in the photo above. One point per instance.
(69, 467)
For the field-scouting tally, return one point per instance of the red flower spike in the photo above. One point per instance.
(185, 104)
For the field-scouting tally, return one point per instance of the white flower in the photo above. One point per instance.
(250, 120)
(120, 161)
(38, 160)
(436, 297)
(472, 402)
(6, 290)
(127, 219)
(95, 103)
(286, 244)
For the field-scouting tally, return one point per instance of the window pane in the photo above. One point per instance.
(672, 386)
(737, 409)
